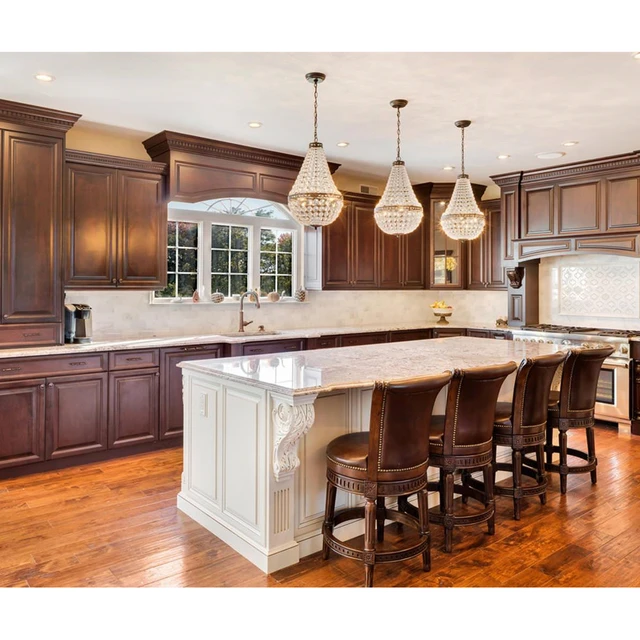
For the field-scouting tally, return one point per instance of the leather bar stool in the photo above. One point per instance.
(521, 425)
(462, 440)
(573, 408)
(389, 460)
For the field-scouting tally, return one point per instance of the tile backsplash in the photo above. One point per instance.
(598, 290)
(129, 313)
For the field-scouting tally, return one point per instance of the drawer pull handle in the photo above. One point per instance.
(133, 359)
(77, 364)
(12, 369)
(31, 335)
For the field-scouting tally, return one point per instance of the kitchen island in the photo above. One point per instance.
(256, 429)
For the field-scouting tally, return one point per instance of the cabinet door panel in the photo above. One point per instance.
(133, 407)
(365, 247)
(495, 276)
(622, 203)
(537, 212)
(76, 420)
(579, 208)
(414, 258)
(336, 252)
(32, 213)
(476, 271)
(90, 226)
(391, 276)
(22, 423)
(171, 409)
(142, 231)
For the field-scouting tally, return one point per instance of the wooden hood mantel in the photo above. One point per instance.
(202, 168)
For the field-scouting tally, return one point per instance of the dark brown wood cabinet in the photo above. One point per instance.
(268, 346)
(115, 223)
(413, 334)
(445, 332)
(22, 407)
(403, 260)
(485, 254)
(358, 339)
(171, 408)
(133, 407)
(76, 415)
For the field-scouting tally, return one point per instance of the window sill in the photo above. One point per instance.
(188, 302)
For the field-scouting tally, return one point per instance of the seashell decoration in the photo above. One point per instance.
(301, 294)
(217, 297)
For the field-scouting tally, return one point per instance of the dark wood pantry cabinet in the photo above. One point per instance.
(115, 223)
(484, 256)
(31, 166)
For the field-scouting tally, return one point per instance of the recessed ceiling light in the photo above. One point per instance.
(342, 144)
(448, 168)
(44, 77)
(255, 125)
(503, 156)
(570, 143)
(636, 55)
(550, 155)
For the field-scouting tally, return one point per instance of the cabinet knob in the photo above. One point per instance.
(114, 280)
(51, 384)
(157, 374)
(6, 315)
(42, 386)
(120, 280)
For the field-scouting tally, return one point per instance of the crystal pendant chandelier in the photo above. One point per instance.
(398, 211)
(314, 199)
(462, 219)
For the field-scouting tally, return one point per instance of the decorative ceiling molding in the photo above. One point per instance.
(115, 162)
(167, 141)
(34, 116)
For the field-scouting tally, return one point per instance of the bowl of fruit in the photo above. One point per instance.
(442, 310)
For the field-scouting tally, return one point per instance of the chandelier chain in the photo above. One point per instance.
(462, 150)
(398, 137)
(315, 110)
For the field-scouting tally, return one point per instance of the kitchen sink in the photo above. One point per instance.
(248, 334)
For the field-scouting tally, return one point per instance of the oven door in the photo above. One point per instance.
(612, 395)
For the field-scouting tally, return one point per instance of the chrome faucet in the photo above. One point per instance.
(241, 323)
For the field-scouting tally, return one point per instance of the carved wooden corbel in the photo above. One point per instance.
(515, 276)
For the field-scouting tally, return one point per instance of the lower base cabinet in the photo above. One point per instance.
(448, 333)
(171, 412)
(22, 406)
(133, 407)
(76, 415)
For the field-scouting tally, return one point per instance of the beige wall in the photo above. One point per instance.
(113, 141)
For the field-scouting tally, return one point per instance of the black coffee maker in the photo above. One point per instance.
(77, 323)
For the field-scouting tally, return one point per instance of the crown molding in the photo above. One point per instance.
(114, 162)
(34, 116)
(167, 141)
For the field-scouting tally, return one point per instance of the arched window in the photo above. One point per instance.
(231, 245)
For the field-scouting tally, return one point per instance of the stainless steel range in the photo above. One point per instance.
(613, 397)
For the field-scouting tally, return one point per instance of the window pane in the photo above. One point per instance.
(239, 238)
(267, 263)
(238, 284)
(171, 260)
(284, 241)
(239, 262)
(219, 236)
(171, 234)
(284, 284)
(170, 290)
(220, 283)
(284, 263)
(186, 284)
(267, 284)
(188, 260)
(267, 240)
(220, 261)
(187, 234)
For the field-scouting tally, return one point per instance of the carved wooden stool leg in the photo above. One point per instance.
(448, 510)
(488, 474)
(369, 541)
(442, 491)
(591, 449)
(549, 444)
(494, 450)
(380, 518)
(329, 513)
(423, 508)
(563, 461)
(516, 460)
(541, 472)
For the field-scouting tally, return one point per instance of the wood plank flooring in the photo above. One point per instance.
(115, 524)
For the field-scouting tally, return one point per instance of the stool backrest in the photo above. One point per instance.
(531, 391)
(471, 406)
(399, 426)
(580, 381)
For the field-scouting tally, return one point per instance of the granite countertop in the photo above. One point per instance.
(307, 372)
(123, 342)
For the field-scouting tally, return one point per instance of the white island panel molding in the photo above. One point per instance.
(256, 430)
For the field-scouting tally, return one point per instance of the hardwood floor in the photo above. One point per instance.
(116, 524)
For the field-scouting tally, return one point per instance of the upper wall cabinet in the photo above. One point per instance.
(31, 168)
(485, 254)
(115, 223)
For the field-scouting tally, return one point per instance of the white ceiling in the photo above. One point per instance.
(520, 103)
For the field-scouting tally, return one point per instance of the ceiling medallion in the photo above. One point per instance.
(314, 199)
(462, 219)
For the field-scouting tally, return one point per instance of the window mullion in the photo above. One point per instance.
(254, 257)
(205, 264)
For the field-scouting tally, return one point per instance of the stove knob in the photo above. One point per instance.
(585, 345)
(624, 349)
(540, 339)
(517, 339)
(565, 341)
(549, 341)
